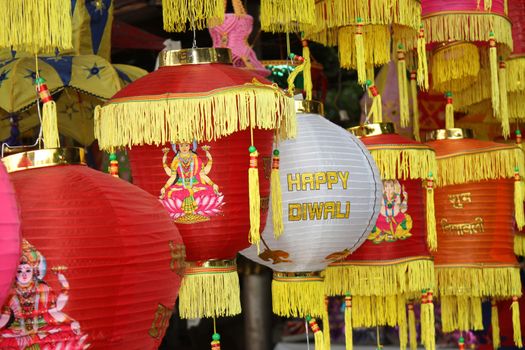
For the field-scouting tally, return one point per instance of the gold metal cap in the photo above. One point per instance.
(449, 134)
(212, 263)
(373, 129)
(44, 158)
(309, 106)
(195, 56)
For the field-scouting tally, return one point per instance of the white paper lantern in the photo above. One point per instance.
(331, 195)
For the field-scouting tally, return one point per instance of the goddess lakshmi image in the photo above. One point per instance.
(189, 195)
(393, 222)
(32, 317)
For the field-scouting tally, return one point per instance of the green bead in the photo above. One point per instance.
(430, 174)
(40, 80)
(275, 152)
(400, 46)
(423, 290)
(252, 149)
(368, 82)
(112, 156)
(359, 20)
(308, 318)
(518, 132)
(448, 94)
(216, 336)
(461, 339)
(491, 33)
(348, 294)
(516, 169)
(421, 25)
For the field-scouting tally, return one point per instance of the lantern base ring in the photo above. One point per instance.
(450, 134)
(373, 129)
(195, 56)
(309, 106)
(210, 289)
(44, 158)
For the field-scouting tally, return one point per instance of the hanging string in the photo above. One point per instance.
(379, 347)
(214, 326)
(307, 337)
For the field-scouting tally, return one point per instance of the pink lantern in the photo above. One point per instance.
(9, 234)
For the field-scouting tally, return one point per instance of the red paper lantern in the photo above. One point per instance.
(192, 127)
(101, 261)
(9, 234)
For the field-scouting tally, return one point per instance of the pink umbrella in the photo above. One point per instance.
(9, 234)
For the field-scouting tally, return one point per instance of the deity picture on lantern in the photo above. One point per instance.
(393, 222)
(33, 316)
(189, 195)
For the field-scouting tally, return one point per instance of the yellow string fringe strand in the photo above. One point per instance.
(50, 125)
(336, 13)
(254, 236)
(496, 341)
(412, 327)
(404, 161)
(455, 67)
(326, 326)
(367, 279)
(516, 105)
(494, 83)
(519, 244)
(445, 26)
(371, 311)
(349, 337)
(298, 297)
(504, 105)
(415, 107)
(201, 118)
(461, 313)
(428, 327)
(432, 241)
(402, 84)
(277, 204)
(402, 324)
(180, 15)
(36, 26)
(484, 164)
(360, 54)
(516, 322)
(516, 70)
(519, 214)
(209, 294)
(287, 16)
(449, 115)
(307, 72)
(376, 43)
(422, 62)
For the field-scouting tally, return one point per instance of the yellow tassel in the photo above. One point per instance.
(455, 67)
(349, 337)
(376, 109)
(210, 292)
(402, 87)
(518, 199)
(276, 195)
(519, 244)
(415, 107)
(430, 212)
(360, 53)
(422, 63)
(297, 295)
(326, 325)
(412, 327)
(318, 334)
(504, 107)
(493, 59)
(461, 313)
(376, 44)
(287, 16)
(516, 323)
(402, 324)
(179, 15)
(495, 325)
(37, 26)
(50, 125)
(307, 71)
(449, 112)
(124, 122)
(255, 198)
(424, 318)
(430, 332)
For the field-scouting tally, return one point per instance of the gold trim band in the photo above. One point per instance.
(212, 263)
(298, 276)
(450, 134)
(373, 129)
(195, 56)
(44, 158)
(309, 106)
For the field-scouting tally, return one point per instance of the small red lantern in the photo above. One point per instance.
(101, 261)
(192, 127)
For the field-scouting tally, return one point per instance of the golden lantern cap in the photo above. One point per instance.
(205, 55)
(373, 129)
(212, 263)
(318, 275)
(450, 134)
(309, 106)
(43, 158)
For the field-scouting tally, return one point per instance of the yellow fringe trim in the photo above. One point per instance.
(402, 84)
(415, 108)
(349, 337)
(412, 327)
(468, 26)
(336, 13)
(180, 15)
(287, 16)
(455, 67)
(461, 313)
(50, 125)
(298, 297)
(203, 117)
(516, 323)
(516, 70)
(519, 214)
(376, 41)
(277, 205)
(478, 281)
(476, 93)
(209, 294)
(371, 311)
(516, 105)
(37, 26)
(504, 106)
(326, 326)
(479, 165)
(403, 325)
(519, 244)
(496, 341)
(379, 279)
(404, 161)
